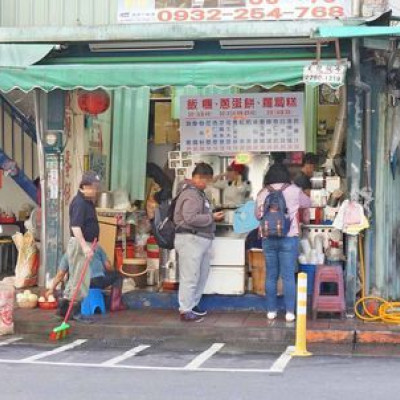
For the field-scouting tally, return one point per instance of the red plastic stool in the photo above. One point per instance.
(329, 302)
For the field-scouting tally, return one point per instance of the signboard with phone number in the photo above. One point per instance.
(176, 11)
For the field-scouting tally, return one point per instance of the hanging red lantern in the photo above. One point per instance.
(95, 102)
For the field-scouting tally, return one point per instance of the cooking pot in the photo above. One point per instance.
(106, 200)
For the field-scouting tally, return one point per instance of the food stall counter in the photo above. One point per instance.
(228, 265)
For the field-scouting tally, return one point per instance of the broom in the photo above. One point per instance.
(62, 331)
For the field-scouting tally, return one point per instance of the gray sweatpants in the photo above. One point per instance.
(194, 264)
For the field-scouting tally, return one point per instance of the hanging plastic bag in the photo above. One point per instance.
(7, 293)
(26, 270)
(244, 220)
(353, 214)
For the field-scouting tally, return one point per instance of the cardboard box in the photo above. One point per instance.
(108, 236)
(258, 272)
(166, 129)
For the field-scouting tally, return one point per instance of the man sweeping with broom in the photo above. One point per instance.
(84, 230)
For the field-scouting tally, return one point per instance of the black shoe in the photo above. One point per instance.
(198, 311)
(62, 308)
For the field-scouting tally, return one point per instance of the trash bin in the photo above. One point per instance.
(8, 256)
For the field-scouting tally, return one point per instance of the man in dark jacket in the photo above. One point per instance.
(195, 222)
(303, 179)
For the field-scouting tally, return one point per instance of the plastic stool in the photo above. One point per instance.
(329, 302)
(94, 300)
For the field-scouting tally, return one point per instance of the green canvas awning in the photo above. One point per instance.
(219, 73)
(332, 32)
(22, 55)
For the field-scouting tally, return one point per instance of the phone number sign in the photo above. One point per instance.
(248, 122)
(175, 11)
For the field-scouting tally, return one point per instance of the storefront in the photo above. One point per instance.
(146, 113)
(155, 95)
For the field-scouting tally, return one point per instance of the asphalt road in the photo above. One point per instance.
(137, 369)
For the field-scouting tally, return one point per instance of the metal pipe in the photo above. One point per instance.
(356, 8)
(3, 141)
(340, 126)
(358, 83)
(12, 136)
(22, 153)
(41, 162)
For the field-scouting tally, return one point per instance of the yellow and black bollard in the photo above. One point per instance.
(300, 349)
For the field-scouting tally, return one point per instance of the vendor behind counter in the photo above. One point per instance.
(303, 179)
(236, 190)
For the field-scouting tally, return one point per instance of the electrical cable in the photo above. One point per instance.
(374, 308)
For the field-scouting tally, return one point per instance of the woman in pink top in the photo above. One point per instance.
(281, 253)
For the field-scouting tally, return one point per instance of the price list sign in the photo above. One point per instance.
(248, 122)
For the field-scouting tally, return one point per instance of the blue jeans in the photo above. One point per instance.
(281, 259)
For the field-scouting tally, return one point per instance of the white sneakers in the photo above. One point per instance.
(290, 317)
(272, 315)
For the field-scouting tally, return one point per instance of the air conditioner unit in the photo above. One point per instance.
(116, 47)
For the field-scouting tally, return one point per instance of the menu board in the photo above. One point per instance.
(261, 122)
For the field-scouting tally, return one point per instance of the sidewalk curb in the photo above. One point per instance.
(382, 337)
(330, 336)
(97, 331)
(223, 326)
(270, 335)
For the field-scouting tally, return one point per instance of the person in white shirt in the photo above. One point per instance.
(235, 190)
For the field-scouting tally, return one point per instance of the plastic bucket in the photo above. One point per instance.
(309, 269)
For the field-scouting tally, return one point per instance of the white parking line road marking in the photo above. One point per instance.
(203, 357)
(134, 367)
(58, 350)
(126, 355)
(9, 341)
(280, 364)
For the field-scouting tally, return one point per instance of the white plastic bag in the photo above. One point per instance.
(26, 270)
(7, 294)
